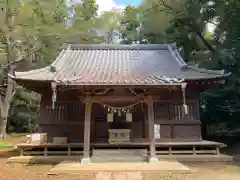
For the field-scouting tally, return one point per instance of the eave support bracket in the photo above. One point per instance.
(185, 107)
(54, 93)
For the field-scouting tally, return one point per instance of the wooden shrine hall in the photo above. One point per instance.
(113, 97)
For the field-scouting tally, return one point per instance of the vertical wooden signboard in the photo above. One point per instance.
(157, 131)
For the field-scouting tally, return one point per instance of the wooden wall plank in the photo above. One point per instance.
(68, 114)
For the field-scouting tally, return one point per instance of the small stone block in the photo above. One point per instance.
(85, 161)
(153, 160)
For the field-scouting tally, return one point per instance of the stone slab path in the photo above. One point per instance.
(119, 176)
(74, 167)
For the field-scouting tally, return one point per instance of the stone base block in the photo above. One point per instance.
(153, 160)
(85, 160)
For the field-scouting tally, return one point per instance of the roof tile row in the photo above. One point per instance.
(118, 64)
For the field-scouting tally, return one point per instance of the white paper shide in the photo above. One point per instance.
(129, 117)
(157, 131)
(110, 117)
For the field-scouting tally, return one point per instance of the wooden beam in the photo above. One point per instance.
(155, 98)
(152, 146)
(87, 123)
(122, 85)
(114, 98)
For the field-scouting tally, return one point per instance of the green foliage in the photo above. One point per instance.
(187, 23)
(88, 10)
(24, 111)
(109, 22)
(223, 103)
(42, 24)
(130, 24)
(31, 32)
(83, 23)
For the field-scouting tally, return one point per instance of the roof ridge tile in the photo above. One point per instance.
(118, 46)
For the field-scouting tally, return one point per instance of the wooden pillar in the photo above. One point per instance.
(87, 124)
(21, 151)
(151, 139)
(217, 151)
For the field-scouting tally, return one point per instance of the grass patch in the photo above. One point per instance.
(4, 145)
(17, 134)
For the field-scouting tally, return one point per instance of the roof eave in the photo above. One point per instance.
(17, 79)
(220, 76)
(207, 71)
(121, 84)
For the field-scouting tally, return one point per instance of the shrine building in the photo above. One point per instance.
(120, 97)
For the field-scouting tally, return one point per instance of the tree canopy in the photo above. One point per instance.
(31, 32)
(206, 33)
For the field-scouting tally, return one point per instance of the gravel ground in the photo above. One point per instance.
(36, 172)
(204, 171)
(200, 171)
(18, 172)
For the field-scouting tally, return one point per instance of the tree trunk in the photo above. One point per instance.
(3, 128)
(5, 103)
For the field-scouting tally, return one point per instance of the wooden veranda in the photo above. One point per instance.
(162, 148)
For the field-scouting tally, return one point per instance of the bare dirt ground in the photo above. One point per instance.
(200, 171)
(205, 171)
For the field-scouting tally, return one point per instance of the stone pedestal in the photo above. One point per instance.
(85, 160)
(153, 160)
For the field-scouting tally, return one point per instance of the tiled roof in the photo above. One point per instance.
(118, 64)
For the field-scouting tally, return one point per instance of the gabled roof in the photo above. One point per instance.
(101, 64)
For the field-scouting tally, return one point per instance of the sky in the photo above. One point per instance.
(128, 2)
(106, 5)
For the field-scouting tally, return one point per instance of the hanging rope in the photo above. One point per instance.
(122, 107)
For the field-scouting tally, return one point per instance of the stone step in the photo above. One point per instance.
(118, 152)
(122, 158)
(119, 175)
